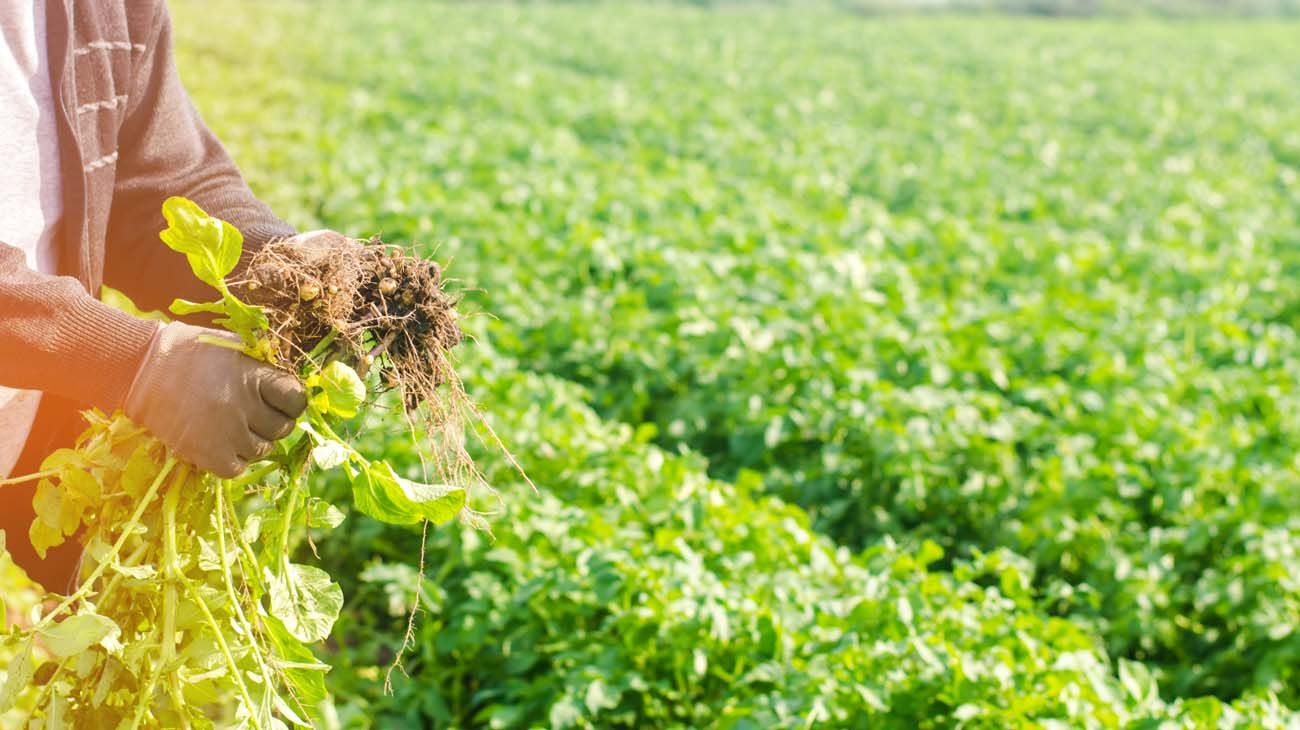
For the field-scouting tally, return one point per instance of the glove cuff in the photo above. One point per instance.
(137, 393)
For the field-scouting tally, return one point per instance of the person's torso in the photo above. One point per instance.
(30, 187)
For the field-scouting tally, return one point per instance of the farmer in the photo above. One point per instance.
(95, 132)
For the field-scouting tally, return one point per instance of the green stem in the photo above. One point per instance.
(298, 470)
(250, 570)
(231, 595)
(29, 477)
(127, 530)
(42, 698)
(255, 475)
(231, 665)
(144, 698)
(294, 489)
(325, 342)
(171, 574)
(131, 561)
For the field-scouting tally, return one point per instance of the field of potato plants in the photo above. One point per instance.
(916, 372)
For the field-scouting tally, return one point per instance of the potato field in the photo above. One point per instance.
(916, 372)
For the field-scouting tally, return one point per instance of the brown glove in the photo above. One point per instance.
(216, 407)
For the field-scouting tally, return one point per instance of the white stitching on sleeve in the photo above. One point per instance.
(109, 46)
(97, 105)
(104, 161)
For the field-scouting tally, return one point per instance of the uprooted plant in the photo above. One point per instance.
(189, 611)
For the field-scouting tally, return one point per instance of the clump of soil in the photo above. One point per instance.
(368, 303)
(381, 310)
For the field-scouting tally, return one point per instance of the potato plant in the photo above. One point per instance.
(191, 611)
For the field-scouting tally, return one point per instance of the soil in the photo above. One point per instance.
(387, 307)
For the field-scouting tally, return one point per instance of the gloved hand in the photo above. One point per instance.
(216, 407)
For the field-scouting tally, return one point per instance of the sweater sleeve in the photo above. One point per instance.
(165, 149)
(57, 338)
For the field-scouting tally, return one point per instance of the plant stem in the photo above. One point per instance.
(131, 561)
(231, 595)
(231, 665)
(29, 477)
(297, 472)
(143, 699)
(250, 570)
(294, 488)
(376, 351)
(325, 342)
(171, 574)
(255, 475)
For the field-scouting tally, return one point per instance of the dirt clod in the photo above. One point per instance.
(385, 307)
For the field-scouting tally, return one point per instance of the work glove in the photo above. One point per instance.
(215, 407)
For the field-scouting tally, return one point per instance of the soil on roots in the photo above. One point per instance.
(382, 307)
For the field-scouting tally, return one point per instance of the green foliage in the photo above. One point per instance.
(636, 592)
(1012, 288)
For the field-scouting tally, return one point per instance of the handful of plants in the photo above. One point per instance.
(190, 612)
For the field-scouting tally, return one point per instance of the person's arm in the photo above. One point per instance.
(57, 338)
(217, 407)
(165, 149)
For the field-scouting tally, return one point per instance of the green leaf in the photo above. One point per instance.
(183, 307)
(330, 454)
(391, 498)
(323, 514)
(18, 676)
(55, 711)
(50, 505)
(76, 634)
(438, 503)
(81, 491)
(600, 697)
(565, 713)
(338, 391)
(122, 302)
(245, 320)
(299, 664)
(139, 473)
(1137, 680)
(374, 498)
(212, 245)
(43, 537)
(307, 601)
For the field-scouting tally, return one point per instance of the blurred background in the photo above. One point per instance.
(1170, 8)
(879, 363)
